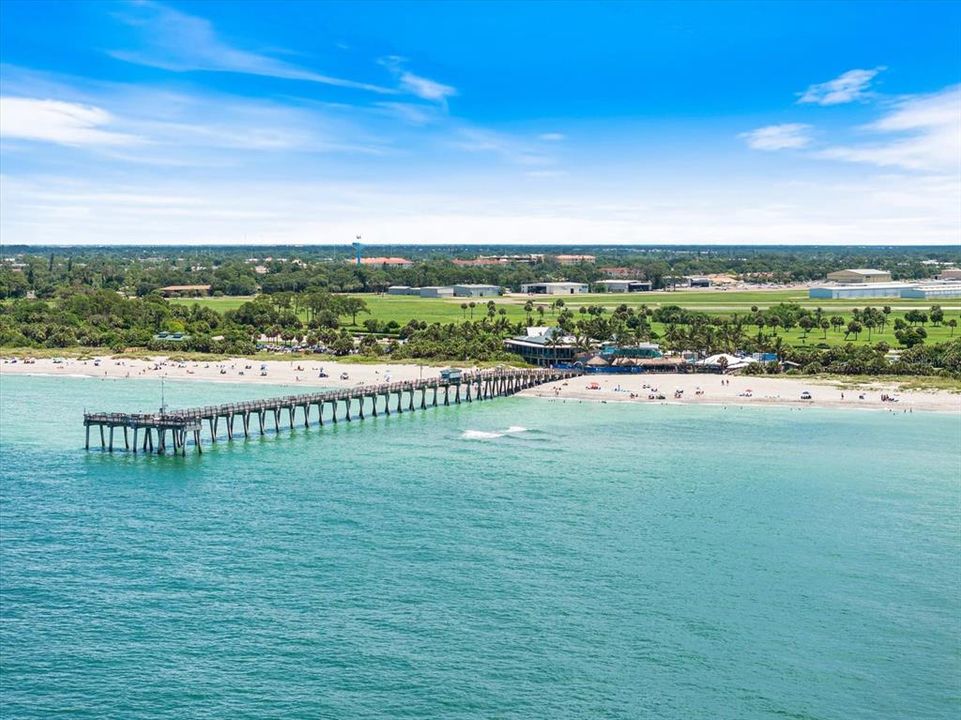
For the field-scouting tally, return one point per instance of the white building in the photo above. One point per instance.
(436, 291)
(476, 291)
(933, 291)
(623, 286)
(860, 290)
(554, 288)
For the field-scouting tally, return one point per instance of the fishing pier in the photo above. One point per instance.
(148, 432)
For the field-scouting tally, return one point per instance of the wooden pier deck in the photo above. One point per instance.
(148, 432)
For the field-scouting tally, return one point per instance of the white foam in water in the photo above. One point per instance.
(491, 435)
(481, 435)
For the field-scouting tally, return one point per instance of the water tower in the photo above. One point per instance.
(357, 248)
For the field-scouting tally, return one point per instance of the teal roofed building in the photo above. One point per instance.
(639, 351)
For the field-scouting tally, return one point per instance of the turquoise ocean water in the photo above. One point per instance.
(597, 561)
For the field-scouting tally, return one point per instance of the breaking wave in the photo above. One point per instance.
(492, 434)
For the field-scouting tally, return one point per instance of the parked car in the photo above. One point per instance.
(806, 395)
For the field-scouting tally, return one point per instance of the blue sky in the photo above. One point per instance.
(298, 122)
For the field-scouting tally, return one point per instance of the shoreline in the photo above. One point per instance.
(745, 391)
(695, 389)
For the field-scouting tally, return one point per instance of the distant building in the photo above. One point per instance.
(624, 286)
(476, 291)
(185, 290)
(554, 288)
(575, 259)
(621, 272)
(698, 281)
(401, 290)
(435, 291)
(481, 260)
(859, 290)
(171, 337)
(949, 274)
(641, 350)
(859, 275)
(385, 262)
(933, 291)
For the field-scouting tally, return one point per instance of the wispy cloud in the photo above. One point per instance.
(848, 87)
(507, 147)
(63, 123)
(921, 132)
(551, 137)
(173, 40)
(410, 113)
(422, 87)
(778, 137)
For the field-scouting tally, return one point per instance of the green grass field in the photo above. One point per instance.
(404, 308)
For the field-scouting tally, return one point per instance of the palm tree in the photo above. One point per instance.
(463, 308)
(472, 305)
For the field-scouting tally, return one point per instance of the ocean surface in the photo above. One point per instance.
(518, 558)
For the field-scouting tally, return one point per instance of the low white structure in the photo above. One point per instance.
(860, 290)
(400, 290)
(436, 291)
(623, 286)
(932, 291)
(916, 290)
(476, 290)
(729, 362)
(554, 288)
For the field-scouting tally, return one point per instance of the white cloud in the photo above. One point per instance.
(425, 88)
(852, 85)
(59, 122)
(778, 137)
(422, 87)
(921, 132)
(889, 209)
(179, 42)
(551, 137)
(410, 113)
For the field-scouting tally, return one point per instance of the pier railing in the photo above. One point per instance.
(188, 422)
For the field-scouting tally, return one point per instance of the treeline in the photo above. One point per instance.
(245, 270)
(105, 319)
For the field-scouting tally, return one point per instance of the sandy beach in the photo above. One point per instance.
(308, 373)
(694, 389)
(746, 390)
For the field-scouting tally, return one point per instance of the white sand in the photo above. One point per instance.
(236, 370)
(779, 390)
(744, 390)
